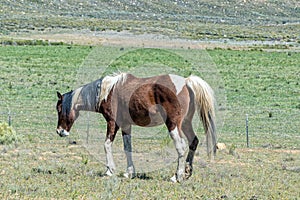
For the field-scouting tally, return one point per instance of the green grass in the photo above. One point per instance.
(264, 85)
(159, 59)
(30, 77)
(8, 135)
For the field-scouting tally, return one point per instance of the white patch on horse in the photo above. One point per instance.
(75, 97)
(108, 83)
(178, 82)
(65, 133)
(180, 146)
(62, 132)
(109, 157)
(178, 141)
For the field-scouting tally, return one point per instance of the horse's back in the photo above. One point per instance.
(151, 101)
(173, 82)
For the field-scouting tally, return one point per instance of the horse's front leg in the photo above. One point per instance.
(126, 134)
(112, 129)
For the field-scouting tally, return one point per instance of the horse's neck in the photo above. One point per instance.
(83, 100)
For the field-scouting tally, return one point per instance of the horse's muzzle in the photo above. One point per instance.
(62, 132)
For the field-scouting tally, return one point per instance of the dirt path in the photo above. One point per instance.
(112, 38)
(127, 39)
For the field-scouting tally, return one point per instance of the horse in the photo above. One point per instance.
(125, 100)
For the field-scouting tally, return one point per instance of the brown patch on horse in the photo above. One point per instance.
(151, 104)
(145, 101)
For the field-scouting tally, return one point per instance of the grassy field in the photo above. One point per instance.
(262, 84)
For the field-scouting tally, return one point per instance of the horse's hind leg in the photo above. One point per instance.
(180, 147)
(193, 143)
(126, 134)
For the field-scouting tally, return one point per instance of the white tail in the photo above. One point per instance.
(204, 101)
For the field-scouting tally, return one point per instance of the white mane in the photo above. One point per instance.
(108, 83)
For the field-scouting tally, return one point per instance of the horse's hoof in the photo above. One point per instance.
(129, 175)
(188, 171)
(108, 172)
(174, 179)
(177, 179)
(126, 175)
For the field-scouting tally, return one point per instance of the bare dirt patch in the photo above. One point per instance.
(260, 150)
(146, 40)
(127, 39)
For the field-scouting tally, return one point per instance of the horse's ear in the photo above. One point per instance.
(59, 95)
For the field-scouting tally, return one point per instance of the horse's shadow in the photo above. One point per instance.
(141, 176)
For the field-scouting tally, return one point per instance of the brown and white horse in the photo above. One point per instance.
(125, 100)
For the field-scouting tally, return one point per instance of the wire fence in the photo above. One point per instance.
(33, 112)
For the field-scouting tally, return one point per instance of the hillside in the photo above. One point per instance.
(238, 19)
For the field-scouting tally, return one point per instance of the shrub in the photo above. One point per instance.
(8, 135)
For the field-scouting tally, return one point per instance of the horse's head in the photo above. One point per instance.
(66, 114)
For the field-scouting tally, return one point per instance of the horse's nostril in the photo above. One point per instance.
(59, 131)
(62, 132)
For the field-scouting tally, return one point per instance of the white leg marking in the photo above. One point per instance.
(109, 157)
(178, 142)
(180, 146)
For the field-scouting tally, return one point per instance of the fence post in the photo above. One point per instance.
(9, 118)
(88, 128)
(247, 131)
